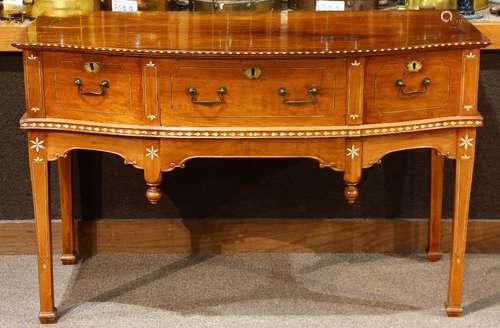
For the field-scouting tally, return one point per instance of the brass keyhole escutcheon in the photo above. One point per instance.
(92, 67)
(252, 72)
(414, 66)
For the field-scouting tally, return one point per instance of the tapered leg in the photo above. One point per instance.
(463, 182)
(40, 191)
(69, 254)
(436, 205)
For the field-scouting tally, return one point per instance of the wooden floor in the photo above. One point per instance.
(251, 235)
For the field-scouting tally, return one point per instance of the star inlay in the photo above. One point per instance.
(37, 144)
(466, 142)
(353, 151)
(152, 152)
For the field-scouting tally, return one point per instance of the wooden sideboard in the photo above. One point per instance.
(159, 89)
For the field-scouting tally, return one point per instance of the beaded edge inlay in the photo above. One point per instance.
(351, 131)
(246, 53)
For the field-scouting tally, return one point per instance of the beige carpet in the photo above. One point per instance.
(252, 290)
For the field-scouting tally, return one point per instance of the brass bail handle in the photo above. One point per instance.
(402, 87)
(312, 92)
(103, 85)
(193, 92)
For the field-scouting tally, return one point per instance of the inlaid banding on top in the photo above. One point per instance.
(238, 53)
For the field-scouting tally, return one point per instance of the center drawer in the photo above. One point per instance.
(253, 92)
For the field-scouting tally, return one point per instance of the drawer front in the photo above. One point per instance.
(253, 92)
(412, 86)
(109, 88)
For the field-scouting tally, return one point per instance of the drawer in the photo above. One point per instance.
(109, 90)
(412, 86)
(253, 92)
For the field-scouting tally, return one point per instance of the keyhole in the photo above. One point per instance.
(252, 72)
(92, 67)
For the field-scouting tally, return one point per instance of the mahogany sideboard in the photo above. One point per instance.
(343, 88)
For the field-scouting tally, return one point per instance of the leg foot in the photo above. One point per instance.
(351, 193)
(69, 259)
(48, 317)
(434, 256)
(153, 194)
(454, 311)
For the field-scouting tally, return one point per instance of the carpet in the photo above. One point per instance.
(252, 290)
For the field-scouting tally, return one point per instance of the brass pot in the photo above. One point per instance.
(62, 8)
(442, 4)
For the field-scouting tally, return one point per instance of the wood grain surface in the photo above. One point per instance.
(492, 31)
(8, 34)
(251, 235)
(240, 34)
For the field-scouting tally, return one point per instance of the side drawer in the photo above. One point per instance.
(412, 86)
(109, 87)
(253, 92)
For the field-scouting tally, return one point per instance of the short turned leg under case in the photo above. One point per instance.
(40, 190)
(463, 181)
(152, 173)
(69, 253)
(436, 205)
(352, 173)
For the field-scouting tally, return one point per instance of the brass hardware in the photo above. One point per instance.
(92, 67)
(193, 92)
(312, 92)
(402, 86)
(252, 72)
(414, 66)
(103, 85)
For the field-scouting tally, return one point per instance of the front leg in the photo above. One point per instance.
(463, 182)
(436, 205)
(39, 172)
(69, 253)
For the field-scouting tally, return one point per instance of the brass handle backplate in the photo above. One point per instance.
(193, 92)
(103, 85)
(312, 92)
(402, 87)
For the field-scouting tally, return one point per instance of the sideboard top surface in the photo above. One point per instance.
(304, 33)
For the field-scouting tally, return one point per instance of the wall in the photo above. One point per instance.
(236, 188)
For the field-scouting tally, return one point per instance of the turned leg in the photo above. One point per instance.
(352, 173)
(152, 173)
(436, 205)
(69, 254)
(463, 182)
(40, 191)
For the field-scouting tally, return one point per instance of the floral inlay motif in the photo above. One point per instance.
(152, 152)
(353, 151)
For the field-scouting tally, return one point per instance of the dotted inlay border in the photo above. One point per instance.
(246, 53)
(342, 131)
